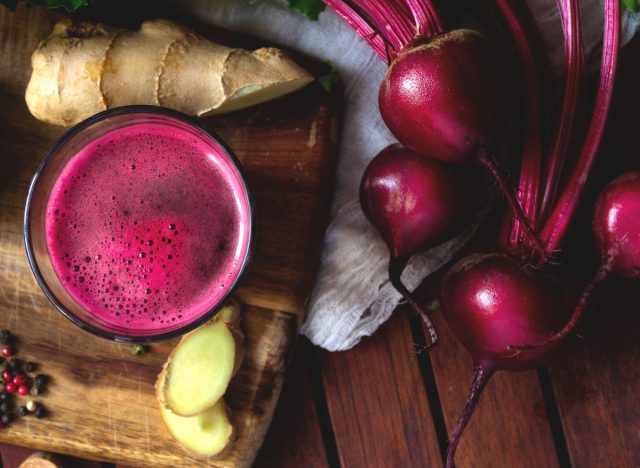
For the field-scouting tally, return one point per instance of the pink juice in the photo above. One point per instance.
(147, 227)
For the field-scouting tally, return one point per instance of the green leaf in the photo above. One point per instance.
(631, 5)
(68, 5)
(329, 79)
(309, 8)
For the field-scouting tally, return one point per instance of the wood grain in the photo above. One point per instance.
(101, 398)
(376, 399)
(597, 388)
(295, 438)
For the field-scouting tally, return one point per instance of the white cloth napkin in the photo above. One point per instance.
(352, 296)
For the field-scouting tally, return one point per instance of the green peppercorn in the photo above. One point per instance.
(138, 349)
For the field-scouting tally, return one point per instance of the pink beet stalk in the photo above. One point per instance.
(616, 228)
(360, 26)
(574, 58)
(523, 32)
(558, 223)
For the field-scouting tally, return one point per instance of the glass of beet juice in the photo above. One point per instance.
(139, 224)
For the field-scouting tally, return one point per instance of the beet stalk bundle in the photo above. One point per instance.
(444, 98)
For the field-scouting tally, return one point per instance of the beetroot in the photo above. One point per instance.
(415, 203)
(491, 303)
(446, 97)
(616, 227)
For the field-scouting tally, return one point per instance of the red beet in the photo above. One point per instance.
(616, 227)
(415, 203)
(491, 303)
(449, 98)
(446, 97)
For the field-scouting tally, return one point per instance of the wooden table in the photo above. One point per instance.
(386, 404)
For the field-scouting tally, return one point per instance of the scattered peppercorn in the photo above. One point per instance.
(31, 405)
(138, 349)
(4, 407)
(21, 411)
(6, 418)
(14, 364)
(6, 337)
(4, 397)
(40, 381)
(35, 391)
(40, 412)
(30, 366)
(19, 379)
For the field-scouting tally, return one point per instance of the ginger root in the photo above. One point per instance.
(206, 434)
(198, 371)
(84, 68)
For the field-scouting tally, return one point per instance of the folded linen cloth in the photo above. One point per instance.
(352, 296)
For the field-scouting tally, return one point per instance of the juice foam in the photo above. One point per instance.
(147, 226)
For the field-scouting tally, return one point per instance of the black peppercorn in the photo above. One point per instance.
(40, 412)
(21, 411)
(4, 407)
(4, 397)
(15, 364)
(30, 366)
(6, 418)
(40, 381)
(5, 337)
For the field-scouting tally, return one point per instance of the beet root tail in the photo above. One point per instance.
(576, 317)
(396, 267)
(481, 375)
(488, 160)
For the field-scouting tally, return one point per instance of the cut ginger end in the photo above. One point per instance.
(197, 373)
(206, 434)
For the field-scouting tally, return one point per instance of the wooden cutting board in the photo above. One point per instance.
(101, 397)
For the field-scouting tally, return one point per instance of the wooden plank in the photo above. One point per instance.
(510, 425)
(13, 456)
(375, 395)
(101, 398)
(597, 385)
(295, 437)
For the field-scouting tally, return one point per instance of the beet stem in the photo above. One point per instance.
(427, 18)
(360, 25)
(574, 58)
(481, 375)
(583, 303)
(523, 31)
(560, 219)
(396, 266)
(488, 160)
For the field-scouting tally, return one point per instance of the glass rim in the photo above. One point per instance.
(27, 236)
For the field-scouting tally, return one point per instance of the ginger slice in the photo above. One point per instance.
(199, 369)
(206, 434)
